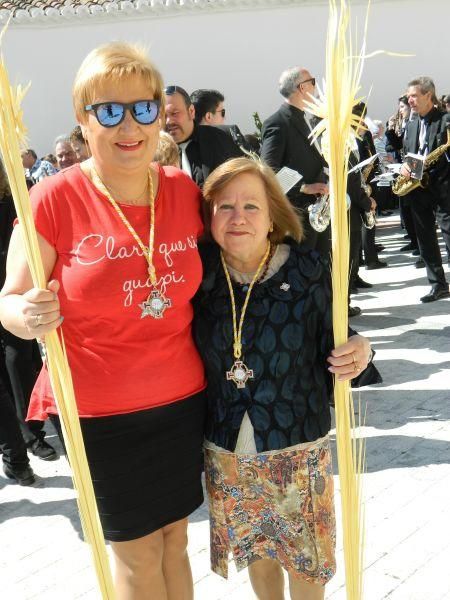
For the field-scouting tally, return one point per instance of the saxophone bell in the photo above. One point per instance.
(403, 186)
(320, 214)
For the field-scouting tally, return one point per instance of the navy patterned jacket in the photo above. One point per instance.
(287, 336)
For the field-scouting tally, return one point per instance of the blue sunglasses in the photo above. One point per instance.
(110, 114)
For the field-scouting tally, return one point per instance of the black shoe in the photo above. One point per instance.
(354, 311)
(408, 247)
(42, 450)
(416, 252)
(378, 264)
(436, 294)
(419, 264)
(353, 290)
(379, 247)
(360, 283)
(23, 477)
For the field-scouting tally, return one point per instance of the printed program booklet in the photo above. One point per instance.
(287, 178)
(415, 164)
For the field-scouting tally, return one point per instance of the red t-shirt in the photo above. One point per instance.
(121, 362)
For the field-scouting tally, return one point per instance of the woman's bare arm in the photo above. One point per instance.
(25, 311)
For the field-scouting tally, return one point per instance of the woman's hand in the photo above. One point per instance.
(41, 310)
(348, 360)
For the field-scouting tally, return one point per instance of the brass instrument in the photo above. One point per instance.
(403, 185)
(320, 214)
(368, 216)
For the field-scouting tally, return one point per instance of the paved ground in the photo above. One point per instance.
(406, 486)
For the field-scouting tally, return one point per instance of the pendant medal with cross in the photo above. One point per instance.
(155, 305)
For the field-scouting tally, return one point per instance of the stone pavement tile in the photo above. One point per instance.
(377, 586)
(416, 551)
(58, 577)
(213, 587)
(429, 582)
(82, 584)
(403, 505)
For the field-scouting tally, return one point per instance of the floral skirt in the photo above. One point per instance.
(277, 505)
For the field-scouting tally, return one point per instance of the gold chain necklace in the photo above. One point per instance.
(239, 372)
(157, 302)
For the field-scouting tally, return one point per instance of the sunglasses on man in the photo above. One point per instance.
(311, 79)
(111, 114)
(221, 112)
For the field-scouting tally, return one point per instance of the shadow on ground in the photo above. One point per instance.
(27, 508)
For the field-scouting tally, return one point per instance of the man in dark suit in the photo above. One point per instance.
(202, 147)
(424, 135)
(285, 143)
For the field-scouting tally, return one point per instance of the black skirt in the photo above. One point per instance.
(146, 466)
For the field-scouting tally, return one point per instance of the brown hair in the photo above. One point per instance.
(76, 135)
(114, 62)
(167, 151)
(286, 220)
(51, 158)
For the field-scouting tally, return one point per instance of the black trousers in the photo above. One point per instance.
(424, 204)
(21, 363)
(443, 219)
(408, 219)
(368, 244)
(12, 445)
(354, 252)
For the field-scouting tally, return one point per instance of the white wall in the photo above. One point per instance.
(240, 53)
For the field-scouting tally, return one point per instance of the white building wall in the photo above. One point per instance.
(241, 53)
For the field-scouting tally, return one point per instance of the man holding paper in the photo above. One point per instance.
(286, 143)
(423, 136)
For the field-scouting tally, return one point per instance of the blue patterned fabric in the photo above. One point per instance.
(287, 336)
(40, 170)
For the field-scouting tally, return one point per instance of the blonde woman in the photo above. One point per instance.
(119, 245)
(263, 327)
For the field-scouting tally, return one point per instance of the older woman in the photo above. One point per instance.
(119, 245)
(263, 327)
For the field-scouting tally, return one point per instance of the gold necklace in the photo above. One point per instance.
(239, 372)
(157, 302)
(135, 201)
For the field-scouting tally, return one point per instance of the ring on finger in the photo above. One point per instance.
(356, 367)
(37, 320)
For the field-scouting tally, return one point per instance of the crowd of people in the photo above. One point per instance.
(195, 295)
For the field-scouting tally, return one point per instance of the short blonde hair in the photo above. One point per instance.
(113, 62)
(167, 151)
(286, 221)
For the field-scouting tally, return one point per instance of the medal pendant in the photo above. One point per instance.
(155, 305)
(239, 373)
